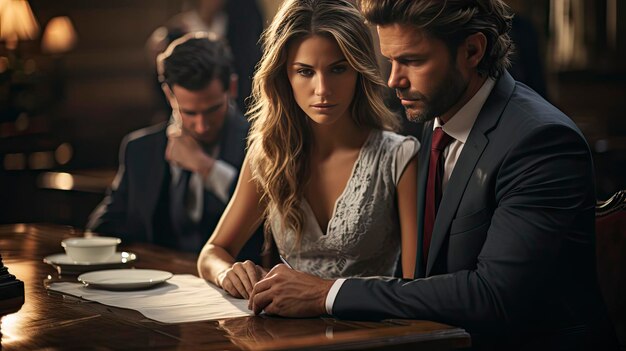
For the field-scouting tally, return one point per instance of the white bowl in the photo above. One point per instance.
(94, 249)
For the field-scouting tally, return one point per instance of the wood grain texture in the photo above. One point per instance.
(50, 320)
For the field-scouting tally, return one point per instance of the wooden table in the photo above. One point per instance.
(49, 320)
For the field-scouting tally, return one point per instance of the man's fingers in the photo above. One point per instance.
(267, 280)
(289, 293)
(261, 301)
(263, 285)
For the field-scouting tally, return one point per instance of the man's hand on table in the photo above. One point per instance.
(289, 293)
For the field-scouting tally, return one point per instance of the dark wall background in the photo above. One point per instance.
(591, 89)
(92, 96)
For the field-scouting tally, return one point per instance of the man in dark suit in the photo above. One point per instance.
(506, 195)
(175, 179)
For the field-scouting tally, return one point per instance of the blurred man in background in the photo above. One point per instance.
(175, 179)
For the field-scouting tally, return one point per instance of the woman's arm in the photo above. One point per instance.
(242, 217)
(407, 210)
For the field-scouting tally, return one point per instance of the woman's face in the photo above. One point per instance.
(322, 81)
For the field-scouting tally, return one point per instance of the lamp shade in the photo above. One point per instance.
(17, 21)
(59, 36)
(2, 3)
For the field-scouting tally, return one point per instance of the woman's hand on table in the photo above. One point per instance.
(239, 279)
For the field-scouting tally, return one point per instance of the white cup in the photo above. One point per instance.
(90, 250)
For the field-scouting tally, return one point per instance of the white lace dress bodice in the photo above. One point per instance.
(363, 234)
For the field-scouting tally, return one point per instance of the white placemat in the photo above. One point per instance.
(183, 298)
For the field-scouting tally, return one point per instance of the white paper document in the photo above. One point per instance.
(183, 298)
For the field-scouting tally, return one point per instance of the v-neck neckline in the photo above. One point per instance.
(312, 215)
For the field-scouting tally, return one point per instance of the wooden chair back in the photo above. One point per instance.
(611, 258)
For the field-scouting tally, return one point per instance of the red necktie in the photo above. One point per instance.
(433, 185)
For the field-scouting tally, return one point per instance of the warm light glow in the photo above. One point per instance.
(59, 36)
(63, 154)
(41, 160)
(3, 4)
(56, 180)
(567, 22)
(10, 323)
(13, 325)
(19, 228)
(17, 22)
(60, 181)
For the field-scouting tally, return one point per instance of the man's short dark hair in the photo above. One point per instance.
(194, 60)
(452, 21)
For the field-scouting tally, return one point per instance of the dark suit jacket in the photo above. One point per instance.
(132, 207)
(512, 254)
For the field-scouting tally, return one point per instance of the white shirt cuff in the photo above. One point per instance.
(332, 294)
(220, 179)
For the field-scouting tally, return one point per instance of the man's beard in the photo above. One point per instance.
(447, 93)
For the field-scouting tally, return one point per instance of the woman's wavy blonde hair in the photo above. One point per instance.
(280, 136)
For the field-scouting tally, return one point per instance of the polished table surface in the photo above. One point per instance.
(53, 321)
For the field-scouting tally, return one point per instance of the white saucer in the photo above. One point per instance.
(124, 279)
(65, 265)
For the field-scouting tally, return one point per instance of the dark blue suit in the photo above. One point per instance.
(512, 254)
(137, 205)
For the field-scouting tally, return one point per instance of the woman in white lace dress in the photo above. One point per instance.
(336, 186)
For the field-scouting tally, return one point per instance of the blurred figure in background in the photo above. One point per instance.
(175, 180)
(239, 22)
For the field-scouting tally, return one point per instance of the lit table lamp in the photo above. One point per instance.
(59, 36)
(11, 291)
(17, 22)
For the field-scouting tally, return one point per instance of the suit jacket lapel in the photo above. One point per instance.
(464, 168)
